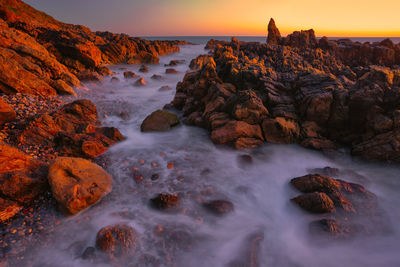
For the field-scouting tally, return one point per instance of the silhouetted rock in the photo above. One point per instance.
(274, 36)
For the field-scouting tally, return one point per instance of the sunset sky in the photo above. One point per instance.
(229, 17)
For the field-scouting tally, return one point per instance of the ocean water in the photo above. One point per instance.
(261, 39)
(202, 171)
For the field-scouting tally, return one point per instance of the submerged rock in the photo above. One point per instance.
(129, 75)
(219, 207)
(315, 202)
(158, 121)
(144, 68)
(77, 183)
(171, 71)
(140, 82)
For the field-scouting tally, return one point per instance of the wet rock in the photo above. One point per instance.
(8, 209)
(165, 88)
(171, 71)
(245, 159)
(159, 121)
(175, 62)
(315, 202)
(219, 207)
(90, 76)
(89, 254)
(274, 36)
(250, 253)
(129, 75)
(201, 61)
(117, 240)
(114, 80)
(144, 68)
(165, 202)
(280, 130)
(140, 82)
(7, 113)
(77, 183)
(332, 228)
(157, 77)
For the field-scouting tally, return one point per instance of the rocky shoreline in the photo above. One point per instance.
(321, 94)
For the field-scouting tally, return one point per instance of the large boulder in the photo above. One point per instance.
(77, 183)
(7, 113)
(159, 121)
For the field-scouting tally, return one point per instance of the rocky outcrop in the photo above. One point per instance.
(40, 55)
(348, 207)
(73, 131)
(77, 183)
(274, 35)
(298, 90)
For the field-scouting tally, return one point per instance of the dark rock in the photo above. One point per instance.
(157, 77)
(219, 207)
(129, 75)
(165, 202)
(117, 240)
(144, 68)
(141, 82)
(165, 88)
(274, 36)
(171, 71)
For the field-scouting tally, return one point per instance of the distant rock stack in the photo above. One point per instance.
(274, 36)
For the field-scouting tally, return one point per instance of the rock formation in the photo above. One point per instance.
(322, 94)
(274, 36)
(40, 55)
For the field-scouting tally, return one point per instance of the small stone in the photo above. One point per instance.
(165, 202)
(140, 82)
(219, 207)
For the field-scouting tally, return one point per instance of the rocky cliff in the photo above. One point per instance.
(40, 55)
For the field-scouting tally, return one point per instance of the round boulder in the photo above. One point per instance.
(158, 121)
(117, 240)
(78, 183)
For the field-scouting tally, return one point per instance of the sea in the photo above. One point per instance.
(205, 39)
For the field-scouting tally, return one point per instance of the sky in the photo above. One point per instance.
(344, 18)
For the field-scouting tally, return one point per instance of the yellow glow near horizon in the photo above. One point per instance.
(356, 18)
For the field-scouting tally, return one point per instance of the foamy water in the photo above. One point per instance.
(260, 193)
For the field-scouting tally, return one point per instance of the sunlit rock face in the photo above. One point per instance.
(321, 94)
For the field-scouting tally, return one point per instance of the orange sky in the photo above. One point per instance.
(354, 18)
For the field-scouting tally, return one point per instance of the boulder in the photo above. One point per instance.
(117, 240)
(129, 75)
(21, 187)
(234, 130)
(90, 76)
(158, 121)
(77, 183)
(165, 88)
(280, 130)
(140, 82)
(7, 113)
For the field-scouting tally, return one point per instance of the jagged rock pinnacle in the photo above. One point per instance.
(274, 36)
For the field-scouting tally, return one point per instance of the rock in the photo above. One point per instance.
(20, 187)
(302, 39)
(331, 227)
(77, 183)
(141, 82)
(245, 159)
(280, 130)
(234, 130)
(219, 207)
(114, 80)
(117, 240)
(129, 75)
(13, 160)
(165, 88)
(90, 76)
(8, 209)
(315, 202)
(165, 202)
(157, 77)
(63, 88)
(249, 253)
(159, 121)
(171, 71)
(175, 62)
(7, 113)
(200, 61)
(274, 36)
(144, 68)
